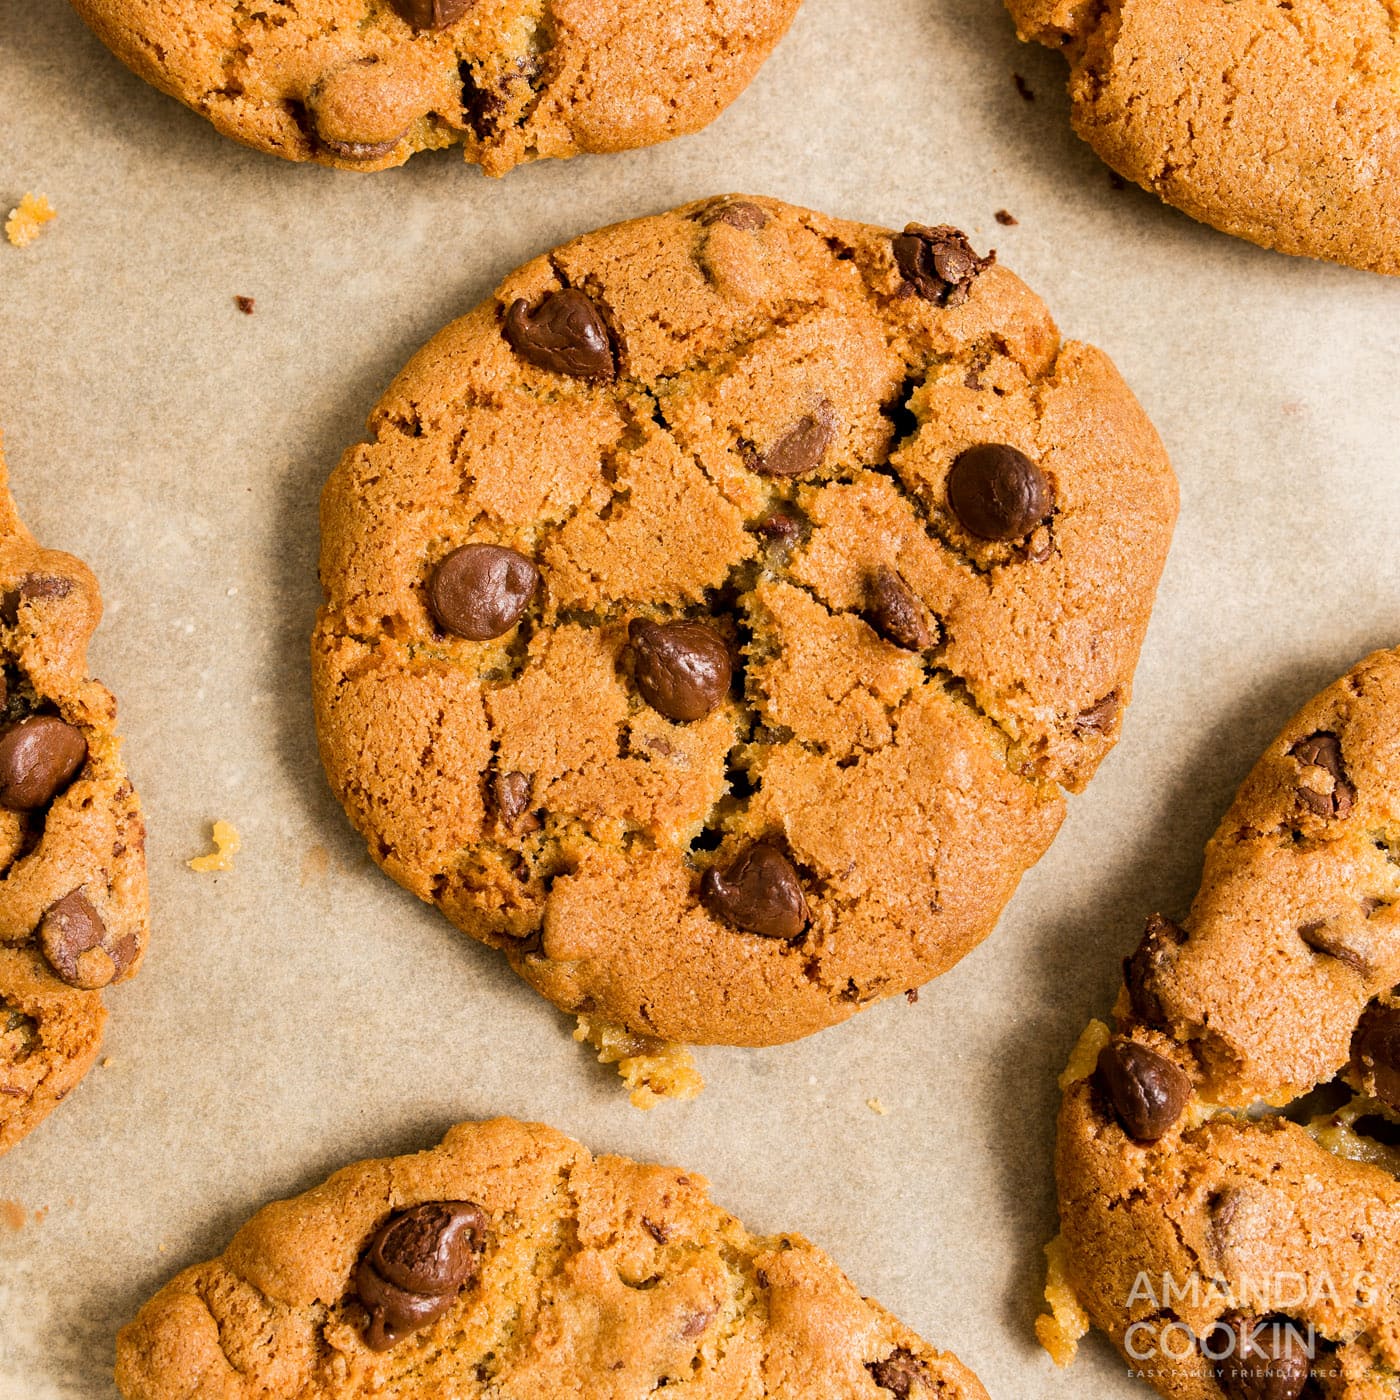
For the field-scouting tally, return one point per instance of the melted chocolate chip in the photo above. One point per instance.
(683, 669)
(1375, 1053)
(432, 14)
(1148, 1092)
(31, 587)
(1336, 942)
(894, 612)
(1161, 940)
(759, 893)
(360, 150)
(998, 493)
(1259, 1359)
(77, 945)
(780, 527)
(512, 794)
(565, 333)
(800, 450)
(482, 590)
(1100, 717)
(939, 263)
(901, 1373)
(414, 1267)
(737, 213)
(38, 758)
(1324, 750)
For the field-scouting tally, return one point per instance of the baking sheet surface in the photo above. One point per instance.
(302, 1011)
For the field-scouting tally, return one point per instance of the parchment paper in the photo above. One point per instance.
(302, 1011)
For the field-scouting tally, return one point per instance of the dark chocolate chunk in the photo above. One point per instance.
(1148, 1092)
(415, 1266)
(1375, 1053)
(998, 493)
(565, 333)
(901, 1373)
(939, 263)
(1259, 1358)
(1324, 750)
(512, 793)
(482, 590)
(38, 758)
(759, 893)
(800, 450)
(683, 669)
(894, 612)
(432, 14)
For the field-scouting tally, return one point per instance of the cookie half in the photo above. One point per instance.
(1228, 1158)
(364, 84)
(1277, 123)
(717, 614)
(508, 1261)
(73, 911)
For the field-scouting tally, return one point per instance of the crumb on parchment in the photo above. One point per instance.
(227, 844)
(875, 1106)
(652, 1070)
(27, 219)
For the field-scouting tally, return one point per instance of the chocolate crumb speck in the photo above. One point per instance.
(245, 304)
(1006, 218)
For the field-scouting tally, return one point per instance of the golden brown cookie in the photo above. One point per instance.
(364, 84)
(1279, 123)
(1227, 1160)
(717, 614)
(73, 915)
(510, 1262)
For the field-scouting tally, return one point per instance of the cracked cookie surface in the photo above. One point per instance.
(364, 84)
(657, 649)
(73, 915)
(509, 1261)
(1276, 122)
(1227, 1162)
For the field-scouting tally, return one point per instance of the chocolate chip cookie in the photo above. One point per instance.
(508, 1261)
(717, 614)
(1228, 1156)
(72, 843)
(1277, 123)
(364, 84)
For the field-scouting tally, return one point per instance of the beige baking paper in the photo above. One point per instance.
(301, 1011)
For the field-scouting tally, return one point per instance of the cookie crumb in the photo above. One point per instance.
(912, 996)
(652, 1070)
(1006, 218)
(1085, 1054)
(27, 219)
(108, 1062)
(245, 304)
(11, 1215)
(1023, 87)
(875, 1106)
(227, 844)
(1059, 1330)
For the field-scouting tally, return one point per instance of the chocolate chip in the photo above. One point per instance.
(901, 1373)
(696, 1324)
(1259, 1359)
(1148, 1092)
(565, 333)
(894, 612)
(482, 590)
(1161, 939)
(432, 14)
(1336, 942)
(1375, 1053)
(78, 947)
(1324, 750)
(359, 150)
(800, 449)
(1100, 717)
(998, 493)
(759, 893)
(32, 586)
(414, 1267)
(939, 263)
(683, 669)
(38, 758)
(512, 794)
(737, 213)
(1006, 218)
(661, 1233)
(780, 527)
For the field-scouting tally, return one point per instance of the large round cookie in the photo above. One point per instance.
(809, 565)
(364, 84)
(73, 915)
(1232, 1226)
(1276, 122)
(510, 1262)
